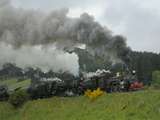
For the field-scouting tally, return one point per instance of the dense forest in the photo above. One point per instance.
(143, 62)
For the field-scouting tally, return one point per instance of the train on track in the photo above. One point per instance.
(105, 80)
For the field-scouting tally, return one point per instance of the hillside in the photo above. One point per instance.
(14, 83)
(143, 105)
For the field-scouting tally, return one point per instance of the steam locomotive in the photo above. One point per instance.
(105, 80)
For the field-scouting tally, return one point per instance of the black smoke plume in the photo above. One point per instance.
(37, 39)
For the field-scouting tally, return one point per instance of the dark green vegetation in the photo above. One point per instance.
(143, 105)
(143, 62)
(14, 83)
(18, 98)
(156, 78)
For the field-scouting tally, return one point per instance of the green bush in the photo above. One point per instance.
(156, 79)
(18, 98)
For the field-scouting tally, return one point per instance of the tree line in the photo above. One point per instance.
(144, 63)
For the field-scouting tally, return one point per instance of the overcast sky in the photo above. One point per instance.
(137, 20)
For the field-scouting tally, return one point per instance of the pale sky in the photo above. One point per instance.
(137, 20)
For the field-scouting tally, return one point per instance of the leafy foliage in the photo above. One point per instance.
(3, 92)
(18, 98)
(144, 63)
(156, 78)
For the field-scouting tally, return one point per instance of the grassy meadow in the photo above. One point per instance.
(142, 105)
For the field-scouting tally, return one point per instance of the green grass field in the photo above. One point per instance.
(13, 83)
(142, 105)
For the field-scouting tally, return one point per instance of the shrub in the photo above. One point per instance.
(94, 94)
(156, 77)
(3, 93)
(18, 98)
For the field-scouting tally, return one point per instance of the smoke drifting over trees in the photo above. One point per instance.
(36, 39)
(36, 57)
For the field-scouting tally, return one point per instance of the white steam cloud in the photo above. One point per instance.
(38, 57)
(27, 38)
